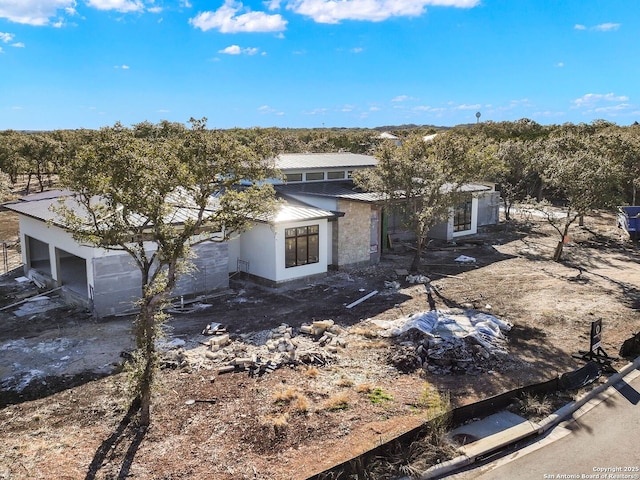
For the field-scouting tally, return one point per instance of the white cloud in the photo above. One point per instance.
(590, 100)
(34, 12)
(123, 6)
(334, 11)
(266, 109)
(18, 45)
(613, 108)
(603, 27)
(401, 98)
(6, 37)
(122, 67)
(317, 111)
(607, 27)
(464, 106)
(236, 50)
(560, 64)
(548, 113)
(228, 19)
(357, 50)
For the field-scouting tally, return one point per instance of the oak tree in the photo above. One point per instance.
(131, 187)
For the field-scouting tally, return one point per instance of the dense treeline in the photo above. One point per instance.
(528, 160)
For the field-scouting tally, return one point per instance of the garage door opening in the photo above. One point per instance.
(72, 272)
(38, 255)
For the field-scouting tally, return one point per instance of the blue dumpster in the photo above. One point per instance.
(629, 219)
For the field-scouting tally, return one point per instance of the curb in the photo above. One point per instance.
(580, 406)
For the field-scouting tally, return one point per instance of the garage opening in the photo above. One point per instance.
(72, 272)
(38, 255)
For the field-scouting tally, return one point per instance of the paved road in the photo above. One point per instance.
(603, 443)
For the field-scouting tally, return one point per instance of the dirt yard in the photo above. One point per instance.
(347, 397)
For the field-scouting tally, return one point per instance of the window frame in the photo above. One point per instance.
(463, 216)
(301, 245)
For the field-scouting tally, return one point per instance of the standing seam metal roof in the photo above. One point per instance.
(302, 161)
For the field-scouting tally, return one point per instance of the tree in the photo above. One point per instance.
(516, 173)
(128, 186)
(585, 173)
(422, 179)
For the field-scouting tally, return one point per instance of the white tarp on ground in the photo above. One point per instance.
(485, 328)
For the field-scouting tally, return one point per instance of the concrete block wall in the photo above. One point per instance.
(354, 234)
(209, 270)
(116, 282)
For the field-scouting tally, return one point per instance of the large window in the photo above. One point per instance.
(462, 216)
(335, 175)
(301, 246)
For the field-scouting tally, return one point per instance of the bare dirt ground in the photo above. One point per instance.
(298, 421)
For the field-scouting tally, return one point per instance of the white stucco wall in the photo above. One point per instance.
(282, 273)
(263, 247)
(58, 238)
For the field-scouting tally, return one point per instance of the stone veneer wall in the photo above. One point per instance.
(353, 234)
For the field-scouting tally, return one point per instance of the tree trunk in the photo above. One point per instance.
(417, 257)
(507, 209)
(145, 340)
(557, 255)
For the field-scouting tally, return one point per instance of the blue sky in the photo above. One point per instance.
(315, 63)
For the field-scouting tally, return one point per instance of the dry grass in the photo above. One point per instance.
(301, 404)
(345, 382)
(434, 402)
(286, 396)
(534, 407)
(364, 388)
(312, 372)
(297, 401)
(364, 331)
(339, 401)
(279, 423)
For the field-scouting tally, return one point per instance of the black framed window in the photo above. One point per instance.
(462, 216)
(293, 177)
(312, 176)
(301, 245)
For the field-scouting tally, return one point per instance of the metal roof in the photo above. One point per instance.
(302, 161)
(41, 209)
(289, 212)
(334, 189)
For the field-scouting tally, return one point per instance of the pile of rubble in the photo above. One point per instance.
(448, 342)
(260, 352)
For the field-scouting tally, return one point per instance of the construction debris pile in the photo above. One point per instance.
(446, 342)
(261, 352)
